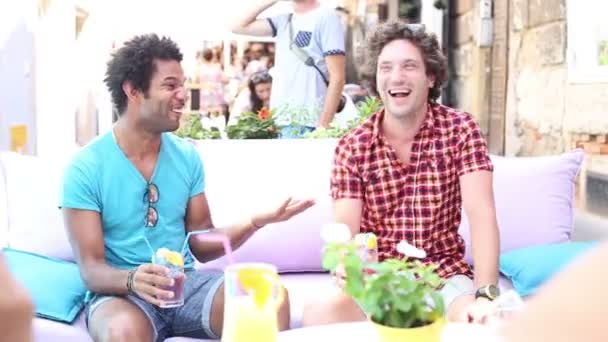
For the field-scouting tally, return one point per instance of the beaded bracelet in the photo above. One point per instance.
(130, 280)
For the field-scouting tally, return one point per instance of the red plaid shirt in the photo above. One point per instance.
(419, 202)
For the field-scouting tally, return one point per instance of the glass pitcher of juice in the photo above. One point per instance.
(253, 294)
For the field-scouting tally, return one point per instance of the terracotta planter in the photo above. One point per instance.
(427, 333)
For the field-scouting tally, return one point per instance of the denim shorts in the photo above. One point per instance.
(193, 319)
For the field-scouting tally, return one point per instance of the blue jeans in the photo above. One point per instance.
(193, 319)
(295, 132)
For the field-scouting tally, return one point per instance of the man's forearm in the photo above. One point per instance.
(105, 279)
(254, 10)
(332, 100)
(486, 249)
(206, 250)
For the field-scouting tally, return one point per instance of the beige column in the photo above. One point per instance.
(393, 9)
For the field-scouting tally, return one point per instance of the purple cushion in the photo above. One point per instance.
(292, 246)
(534, 200)
(52, 331)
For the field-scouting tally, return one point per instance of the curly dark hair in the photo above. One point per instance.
(135, 62)
(434, 61)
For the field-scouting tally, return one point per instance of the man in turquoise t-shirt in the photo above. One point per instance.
(138, 188)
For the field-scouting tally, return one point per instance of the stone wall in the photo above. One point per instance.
(543, 109)
(467, 62)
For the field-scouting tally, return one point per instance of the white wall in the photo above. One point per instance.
(37, 82)
(17, 103)
(55, 80)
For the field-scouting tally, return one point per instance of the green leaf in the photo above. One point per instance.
(439, 303)
(330, 261)
(393, 319)
(403, 304)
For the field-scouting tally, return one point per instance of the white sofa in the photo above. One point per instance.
(241, 177)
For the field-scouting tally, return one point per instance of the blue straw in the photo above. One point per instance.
(187, 245)
(213, 237)
(151, 249)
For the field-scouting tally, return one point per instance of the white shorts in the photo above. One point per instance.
(456, 286)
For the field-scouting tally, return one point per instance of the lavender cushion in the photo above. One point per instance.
(534, 200)
(292, 246)
(46, 330)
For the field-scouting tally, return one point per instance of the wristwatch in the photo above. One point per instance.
(489, 292)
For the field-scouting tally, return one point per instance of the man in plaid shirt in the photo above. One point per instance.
(406, 172)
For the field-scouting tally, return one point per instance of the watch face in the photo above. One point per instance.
(492, 291)
(489, 291)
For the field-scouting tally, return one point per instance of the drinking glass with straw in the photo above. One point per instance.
(174, 261)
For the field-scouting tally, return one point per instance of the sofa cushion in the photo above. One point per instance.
(47, 330)
(534, 200)
(258, 176)
(3, 207)
(293, 246)
(35, 222)
(55, 285)
(531, 267)
(304, 288)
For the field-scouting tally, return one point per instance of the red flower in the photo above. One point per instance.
(264, 114)
(369, 271)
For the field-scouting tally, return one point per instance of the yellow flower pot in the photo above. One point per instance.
(427, 333)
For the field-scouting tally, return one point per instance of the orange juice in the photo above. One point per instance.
(248, 322)
(253, 294)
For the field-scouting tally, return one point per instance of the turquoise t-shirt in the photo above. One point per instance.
(101, 178)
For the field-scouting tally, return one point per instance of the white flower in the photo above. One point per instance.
(336, 233)
(406, 249)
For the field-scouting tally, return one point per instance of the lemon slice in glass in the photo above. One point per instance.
(372, 241)
(175, 259)
(258, 282)
(367, 240)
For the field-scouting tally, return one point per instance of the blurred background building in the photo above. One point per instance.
(515, 64)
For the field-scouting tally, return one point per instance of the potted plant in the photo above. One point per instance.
(366, 109)
(399, 295)
(192, 128)
(260, 125)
